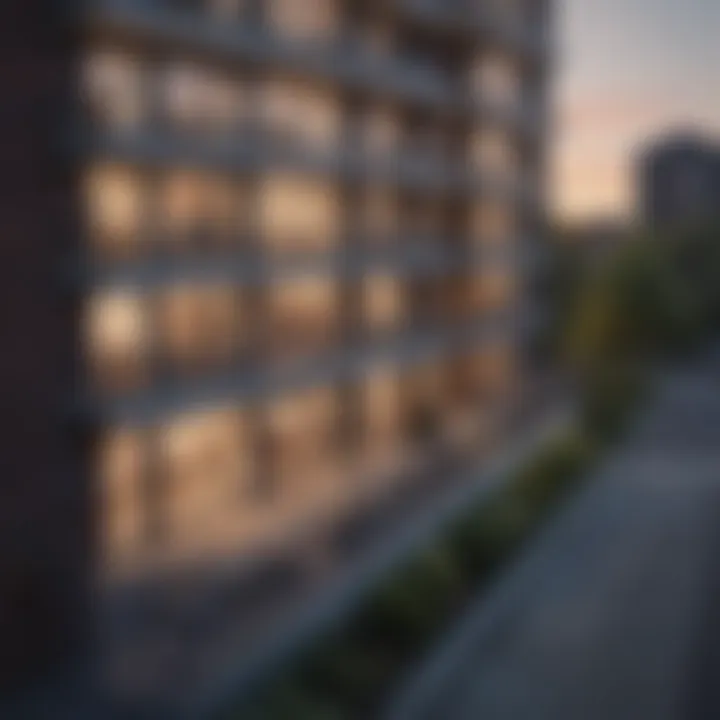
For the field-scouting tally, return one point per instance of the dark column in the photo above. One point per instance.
(46, 537)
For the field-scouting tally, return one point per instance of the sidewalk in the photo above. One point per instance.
(610, 614)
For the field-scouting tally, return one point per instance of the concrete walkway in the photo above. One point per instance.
(610, 615)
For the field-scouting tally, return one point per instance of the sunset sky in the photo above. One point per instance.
(626, 70)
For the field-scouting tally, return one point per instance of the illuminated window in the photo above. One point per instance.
(197, 99)
(497, 81)
(494, 153)
(114, 208)
(298, 214)
(425, 388)
(493, 223)
(113, 87)
(380, 216)
(201, 210)
(198, 325)
(383, 407)
(116, 339)
(303, 428)
(308, 20)
(494, 291)
(121, 471)
(295, 111)
(304, 316)
(382, 131)
(383, 303)
(496, 371)
(207, 470)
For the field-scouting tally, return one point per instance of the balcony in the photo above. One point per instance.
(149, 22)
(143, 21)
(260, 152)
(464, 19)
(344, 364)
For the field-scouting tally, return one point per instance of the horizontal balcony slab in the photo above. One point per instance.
(347, 364)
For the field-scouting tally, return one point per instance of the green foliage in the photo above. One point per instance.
(351, 669)
(553, 472)
(609, 397)
(657, 297)
(483, 540)
(654, 297)
(412, 604)
(291, 700)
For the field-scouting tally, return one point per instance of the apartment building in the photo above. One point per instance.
(264, 258)
(678, 182)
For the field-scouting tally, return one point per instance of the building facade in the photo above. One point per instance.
(265, 258)
(679, 183)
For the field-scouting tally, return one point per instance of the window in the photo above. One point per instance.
(121, 471)
(114, 92)
(304, 316)
(206, 471)
(425, 387)
(494, 223)
(495, 371)
(383, 409)
(424, 219)
(299, 113)
(382, 131)
(379, 38)
(493, 153)
(308, 20)
(383, 303)
(298, 214)
(114, 208)
(497, 81)
(304, 442)
(493, 291)
(116, 339)
(199, 100)
(199, 325)
(201, 210)
(380, 215)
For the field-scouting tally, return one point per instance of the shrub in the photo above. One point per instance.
(290, 700)
(483, 540)
(412, 604)
(352, 669)
(545, 479)
(609, 396)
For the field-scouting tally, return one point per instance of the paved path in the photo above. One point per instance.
(610, 615)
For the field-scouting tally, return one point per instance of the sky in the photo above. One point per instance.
(625, 71)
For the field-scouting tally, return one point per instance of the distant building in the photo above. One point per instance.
(679, 182)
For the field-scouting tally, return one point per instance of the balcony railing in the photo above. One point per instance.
(345, 364)
(344, 63)
(467, 19)
(261, 152)
(245, 267)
